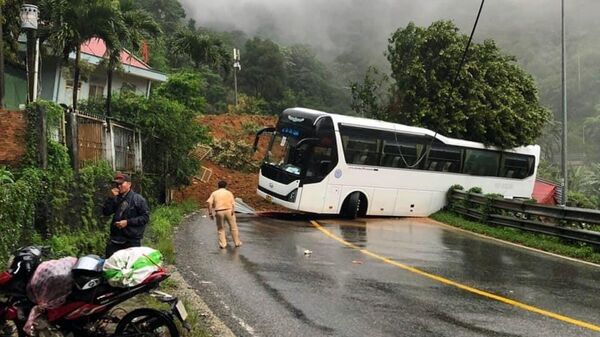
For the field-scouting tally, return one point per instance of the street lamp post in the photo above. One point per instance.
(563, 200)
(236, 67)
(29, 22)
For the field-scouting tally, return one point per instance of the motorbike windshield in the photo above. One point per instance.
(283, 155)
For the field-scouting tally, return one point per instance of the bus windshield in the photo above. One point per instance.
(282, 154)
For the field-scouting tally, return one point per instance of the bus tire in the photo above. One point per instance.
(353, 206)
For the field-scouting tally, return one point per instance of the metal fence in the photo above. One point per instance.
(566, 222)
(124, 140)
(123, 151)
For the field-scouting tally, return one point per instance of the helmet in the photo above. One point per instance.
(25, 260)
(87, 272)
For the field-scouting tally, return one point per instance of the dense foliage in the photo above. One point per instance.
(492, 101)
(168, 124)
(235, 155)
(53, 204)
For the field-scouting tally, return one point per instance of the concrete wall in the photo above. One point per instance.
(13, 127)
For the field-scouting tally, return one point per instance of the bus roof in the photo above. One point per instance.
(388, 126)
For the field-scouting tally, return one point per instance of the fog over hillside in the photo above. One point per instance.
(359, 29)
(335, 25)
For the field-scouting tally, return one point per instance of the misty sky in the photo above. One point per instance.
(332, 26)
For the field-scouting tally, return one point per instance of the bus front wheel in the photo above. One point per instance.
(354, 206)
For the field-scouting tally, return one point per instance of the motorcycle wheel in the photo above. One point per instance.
(146, 322)
(9, 329)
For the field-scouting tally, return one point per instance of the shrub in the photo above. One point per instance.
(250, 128)
(18, 202)
(578, 199)
(6, 177)
(249, 105)
(162, 221)
(235, 155)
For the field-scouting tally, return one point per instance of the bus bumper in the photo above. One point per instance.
(268, 189)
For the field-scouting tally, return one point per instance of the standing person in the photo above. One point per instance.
(222, 202)
(130, 215)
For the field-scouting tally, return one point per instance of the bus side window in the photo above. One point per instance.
(516, 166)
(481, 162)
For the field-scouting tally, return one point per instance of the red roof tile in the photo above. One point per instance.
(97, 47)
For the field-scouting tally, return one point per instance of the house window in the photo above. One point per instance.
(96, 91)
(69, 85)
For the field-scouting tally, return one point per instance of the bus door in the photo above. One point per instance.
(320, 160)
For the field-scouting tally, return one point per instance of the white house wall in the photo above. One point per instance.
(141, 84)
(65, 97)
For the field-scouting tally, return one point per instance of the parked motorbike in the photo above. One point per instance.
(91, 309)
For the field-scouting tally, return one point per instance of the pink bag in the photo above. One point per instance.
(49, 287)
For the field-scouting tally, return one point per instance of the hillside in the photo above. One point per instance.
(243, 185)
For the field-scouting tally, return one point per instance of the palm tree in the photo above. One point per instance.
(203, 49)
(134, 26)
(73, 22)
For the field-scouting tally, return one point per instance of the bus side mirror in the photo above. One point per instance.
(307, 141)
(260, 132)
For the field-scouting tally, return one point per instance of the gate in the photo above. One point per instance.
(90, 139)
(123, 152)
(124, 142)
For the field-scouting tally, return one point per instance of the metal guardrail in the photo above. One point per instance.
(564, 222)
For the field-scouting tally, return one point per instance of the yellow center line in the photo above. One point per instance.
(446, 281)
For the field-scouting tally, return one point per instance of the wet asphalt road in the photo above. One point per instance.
(270, 287)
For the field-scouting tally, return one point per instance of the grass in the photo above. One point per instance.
(539, 241)
(163, 220)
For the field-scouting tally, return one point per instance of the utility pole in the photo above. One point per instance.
(563, 200)
(236, 67)
(1, 58)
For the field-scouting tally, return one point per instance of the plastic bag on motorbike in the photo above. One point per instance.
(49, 286)
(130, 267)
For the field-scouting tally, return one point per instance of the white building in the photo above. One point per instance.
(134, 75)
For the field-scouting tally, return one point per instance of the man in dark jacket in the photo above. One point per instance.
(131, 214)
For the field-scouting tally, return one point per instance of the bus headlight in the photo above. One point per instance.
(292, 196)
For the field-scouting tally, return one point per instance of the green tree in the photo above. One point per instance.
(170, 133)
(11, 28)
(369, 98)
(72, 22)
(263, 73)
(185, 88)
(203, 49)
(131, 27)
(214, 91)
(308, 78)
(591, 136)
(493, 100)
(169, 13)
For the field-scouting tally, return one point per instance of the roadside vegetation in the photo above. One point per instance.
(543, 242)
(163, 220)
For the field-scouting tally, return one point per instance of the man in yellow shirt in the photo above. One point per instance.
(222, 202)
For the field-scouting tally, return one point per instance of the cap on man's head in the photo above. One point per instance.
(120, 178)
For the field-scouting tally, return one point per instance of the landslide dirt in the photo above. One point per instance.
(243, 185)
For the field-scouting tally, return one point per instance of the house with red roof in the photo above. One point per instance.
(133, 75)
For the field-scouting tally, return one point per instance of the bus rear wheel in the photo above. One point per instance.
(354, 206)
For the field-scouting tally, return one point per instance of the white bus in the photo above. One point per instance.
(325, 163)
